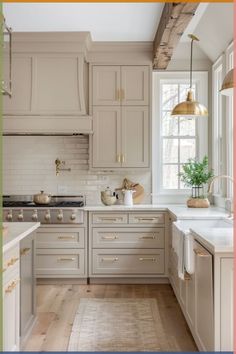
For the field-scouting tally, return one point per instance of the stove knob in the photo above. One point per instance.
(47, 216)
(35, 215)
(73, 216)
(9, 216)
(20, 216)
(60, 215)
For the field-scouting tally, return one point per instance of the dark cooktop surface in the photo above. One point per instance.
(29, 204)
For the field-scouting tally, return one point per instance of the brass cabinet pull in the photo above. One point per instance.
(24, 251)
(200, 253)
(147, 237)
(12, 261)
(110, 237)
(11, 287)
(66, 237)
(122, 158)
(122, 94)
(109, 219)
(65, 259)
(187, 276)
(110, 259)
(147, 259)
(148, 219)
(118, 158)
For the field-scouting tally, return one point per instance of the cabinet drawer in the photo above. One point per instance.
(10, 262)
(111, 218)
(146, 218)
(58, 262)
(128, 238)
(61, 238)
(120, 261)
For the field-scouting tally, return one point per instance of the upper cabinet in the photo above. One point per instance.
(126, 85)
(47, 84)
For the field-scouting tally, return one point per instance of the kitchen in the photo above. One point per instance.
(91, 118)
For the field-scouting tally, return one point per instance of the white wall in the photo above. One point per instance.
(28, 167)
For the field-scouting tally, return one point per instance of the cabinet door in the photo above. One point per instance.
(20, 102)
(135, 137)
(27, 289)
(11, 310)
(204, 298)
(227, 304)
(106, 137)
(58, 85)
(135, 85)
(190, 299)
(106, 85)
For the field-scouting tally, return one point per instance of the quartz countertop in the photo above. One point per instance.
(216, 240)
(180, 211)
(16, 231)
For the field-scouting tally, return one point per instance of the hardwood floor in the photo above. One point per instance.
(57, 304)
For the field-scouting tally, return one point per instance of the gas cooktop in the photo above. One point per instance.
(53, 204)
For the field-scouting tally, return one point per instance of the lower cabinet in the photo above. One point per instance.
(61, 252)
(27, 288)
(127, 244)
(11, 300)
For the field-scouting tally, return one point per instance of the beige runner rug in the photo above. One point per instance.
(117, 325)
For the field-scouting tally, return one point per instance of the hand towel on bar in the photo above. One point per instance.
(188, 253)
(178, 245)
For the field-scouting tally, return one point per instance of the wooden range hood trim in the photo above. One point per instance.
(174, 20)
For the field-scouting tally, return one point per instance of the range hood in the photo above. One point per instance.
(53, 97)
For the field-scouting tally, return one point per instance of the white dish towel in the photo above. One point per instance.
(178, 246)
(188, 252)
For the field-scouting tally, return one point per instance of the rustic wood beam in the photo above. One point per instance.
(174, 20)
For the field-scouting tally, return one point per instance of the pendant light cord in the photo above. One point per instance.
(191, 64)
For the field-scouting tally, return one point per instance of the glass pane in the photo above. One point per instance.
(170, 177)
(183, 89)
(170, 150)
(187, 149)
(169, 96)
(187, 126)
(169, 124)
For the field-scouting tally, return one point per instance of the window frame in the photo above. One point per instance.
(200, 79)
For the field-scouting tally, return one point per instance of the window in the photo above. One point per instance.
(175, 139)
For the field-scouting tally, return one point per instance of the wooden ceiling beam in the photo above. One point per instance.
(174, 20)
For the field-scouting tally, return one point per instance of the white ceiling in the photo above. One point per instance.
(105, 21)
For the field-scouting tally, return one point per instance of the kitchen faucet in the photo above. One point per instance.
(211, 187)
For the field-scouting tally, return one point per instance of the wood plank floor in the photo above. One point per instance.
(57, 304)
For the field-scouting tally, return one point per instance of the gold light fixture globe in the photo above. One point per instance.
(190, 107)
(228, 84)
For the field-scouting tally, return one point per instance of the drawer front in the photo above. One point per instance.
(11, 262)
(56, 261)
(128, 238)
(111, 218)
(146, 218)
(60, 238)
(118, 262)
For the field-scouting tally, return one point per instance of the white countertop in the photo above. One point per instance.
(16, 231)
(180, 211)
(216, 240)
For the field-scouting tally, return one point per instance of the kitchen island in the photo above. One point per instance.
(19, 313)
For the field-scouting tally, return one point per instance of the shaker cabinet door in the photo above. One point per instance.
(106, 85)
(107, 137)
(135, 85)
(135, 136)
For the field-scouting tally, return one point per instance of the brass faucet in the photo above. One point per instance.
(211, 187)
(58, 164)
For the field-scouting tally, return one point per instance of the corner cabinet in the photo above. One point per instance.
(121, 116)
(47, 84)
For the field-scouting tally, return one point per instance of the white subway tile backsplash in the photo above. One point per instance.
(29, 166)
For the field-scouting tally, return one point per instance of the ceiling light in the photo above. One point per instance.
(190, 107)
(228, 84)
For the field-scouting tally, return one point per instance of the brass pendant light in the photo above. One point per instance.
(228, 84)
(190, 107)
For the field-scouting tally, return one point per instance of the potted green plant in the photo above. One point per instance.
(195, 175)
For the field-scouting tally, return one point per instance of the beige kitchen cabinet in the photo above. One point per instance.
(28, 286)
(127, 245)
(47, 84)
(204, 297)
(11, 300)
(121, 137)
(126, 85)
